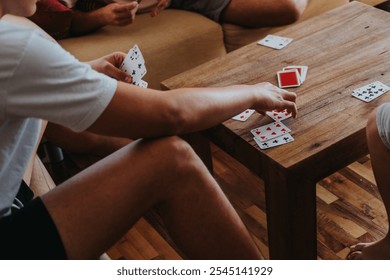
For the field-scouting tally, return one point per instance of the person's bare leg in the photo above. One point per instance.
(263, 13)
(380, 160)
(96, 207)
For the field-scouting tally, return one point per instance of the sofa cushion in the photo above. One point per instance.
(236, 36)
(172, 42)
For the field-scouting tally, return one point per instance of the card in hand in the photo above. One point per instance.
(371, 91)
(141, 83)
(134, 64)
(275, 42)
(281, 140)
(270, 131)
(302, 71)
(279, 116)
(288, 78)
(242, 117)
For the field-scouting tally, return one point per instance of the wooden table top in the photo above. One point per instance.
(344, 49)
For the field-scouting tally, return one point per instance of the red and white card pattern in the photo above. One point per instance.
(271, 135)
(292, 76)
(242, 117)
(279, 116)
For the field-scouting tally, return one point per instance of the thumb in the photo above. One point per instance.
(118, 74)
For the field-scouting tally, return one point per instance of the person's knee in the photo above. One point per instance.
(371, 127)
(173, 151)
(294, 10)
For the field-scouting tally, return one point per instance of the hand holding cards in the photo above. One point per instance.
(134, 65)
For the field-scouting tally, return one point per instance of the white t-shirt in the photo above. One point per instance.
(40, 80)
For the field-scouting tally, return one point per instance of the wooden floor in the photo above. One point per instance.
(349, 209)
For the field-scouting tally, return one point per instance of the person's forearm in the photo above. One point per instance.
(138, 113)
(83, 23)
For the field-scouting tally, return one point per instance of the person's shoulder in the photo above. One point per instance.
(14, 32)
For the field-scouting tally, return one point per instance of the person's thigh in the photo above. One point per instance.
(210, 9)
(93, 209)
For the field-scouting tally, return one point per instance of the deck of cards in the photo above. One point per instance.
(292, 76)
(134, 65)
(371, 91)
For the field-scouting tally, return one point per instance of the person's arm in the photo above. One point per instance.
(138, 113)
(119, 14)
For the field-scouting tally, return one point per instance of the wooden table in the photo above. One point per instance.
(344, 49)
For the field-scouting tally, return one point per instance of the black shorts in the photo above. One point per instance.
(30, 234)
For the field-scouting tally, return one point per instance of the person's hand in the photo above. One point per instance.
(119, 14)
(271, 98)
(109, 65)
(161, 5)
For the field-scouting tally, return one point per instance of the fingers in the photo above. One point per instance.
(117, 74)
(161, 5)
(123, 14)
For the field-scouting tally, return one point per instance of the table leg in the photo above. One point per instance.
(291, 215)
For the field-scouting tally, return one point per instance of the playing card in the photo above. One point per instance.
(270, 131)
(275, 42)
(134, 64)
(141, 83)
(302, 71)
(288, 78)
(371, 91)
(242, 117)
(279, 116)
(281, 140)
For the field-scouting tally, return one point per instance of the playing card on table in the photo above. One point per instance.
(279, 116)
(134, 64)
(244, 115)
(275, 42)
(270, 131)
(288, 78)
(302, 71)
(371, 91)
(281, 140)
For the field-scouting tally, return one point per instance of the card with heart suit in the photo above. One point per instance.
(278, 141)
(279, 116)
(242, 117)
(270, 131)
(302, 71)
(134, 65)
(275, 42)
(288, 78)
(371, 91)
